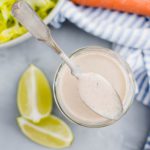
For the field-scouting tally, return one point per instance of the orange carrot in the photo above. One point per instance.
(141, 7)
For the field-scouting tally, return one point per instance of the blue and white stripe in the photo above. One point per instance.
(147, 145)
(129, 33)
(125, 29)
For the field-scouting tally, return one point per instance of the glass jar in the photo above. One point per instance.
(102, 121)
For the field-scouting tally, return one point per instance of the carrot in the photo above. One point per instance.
(141, 7)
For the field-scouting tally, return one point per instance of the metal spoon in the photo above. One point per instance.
(28, 18)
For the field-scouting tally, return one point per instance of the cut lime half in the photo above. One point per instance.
(50, 132)
(34, 95)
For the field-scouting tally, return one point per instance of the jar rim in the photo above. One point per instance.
(124, 65)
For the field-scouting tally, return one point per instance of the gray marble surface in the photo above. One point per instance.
(127, 134)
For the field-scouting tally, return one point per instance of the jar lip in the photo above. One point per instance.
(122, 62)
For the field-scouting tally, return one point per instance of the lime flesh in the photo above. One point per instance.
(50, 132)
(34, 95)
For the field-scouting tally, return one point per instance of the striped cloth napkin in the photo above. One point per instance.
(129, 33)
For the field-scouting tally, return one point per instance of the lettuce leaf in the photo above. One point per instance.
(9, 27)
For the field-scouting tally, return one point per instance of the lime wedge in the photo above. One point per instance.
(50, 132)
(34, 96)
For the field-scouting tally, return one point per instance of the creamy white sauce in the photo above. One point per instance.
(67, 87)
(99, 95)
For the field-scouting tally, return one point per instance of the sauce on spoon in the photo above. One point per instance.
(99, 95)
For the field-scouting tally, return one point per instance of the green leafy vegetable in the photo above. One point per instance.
(9, 27)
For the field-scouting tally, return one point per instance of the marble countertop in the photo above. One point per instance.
(127, 134)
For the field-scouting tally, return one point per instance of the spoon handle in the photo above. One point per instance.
(28, 18)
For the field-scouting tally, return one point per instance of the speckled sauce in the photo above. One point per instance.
(99, 95)
(67, 85)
